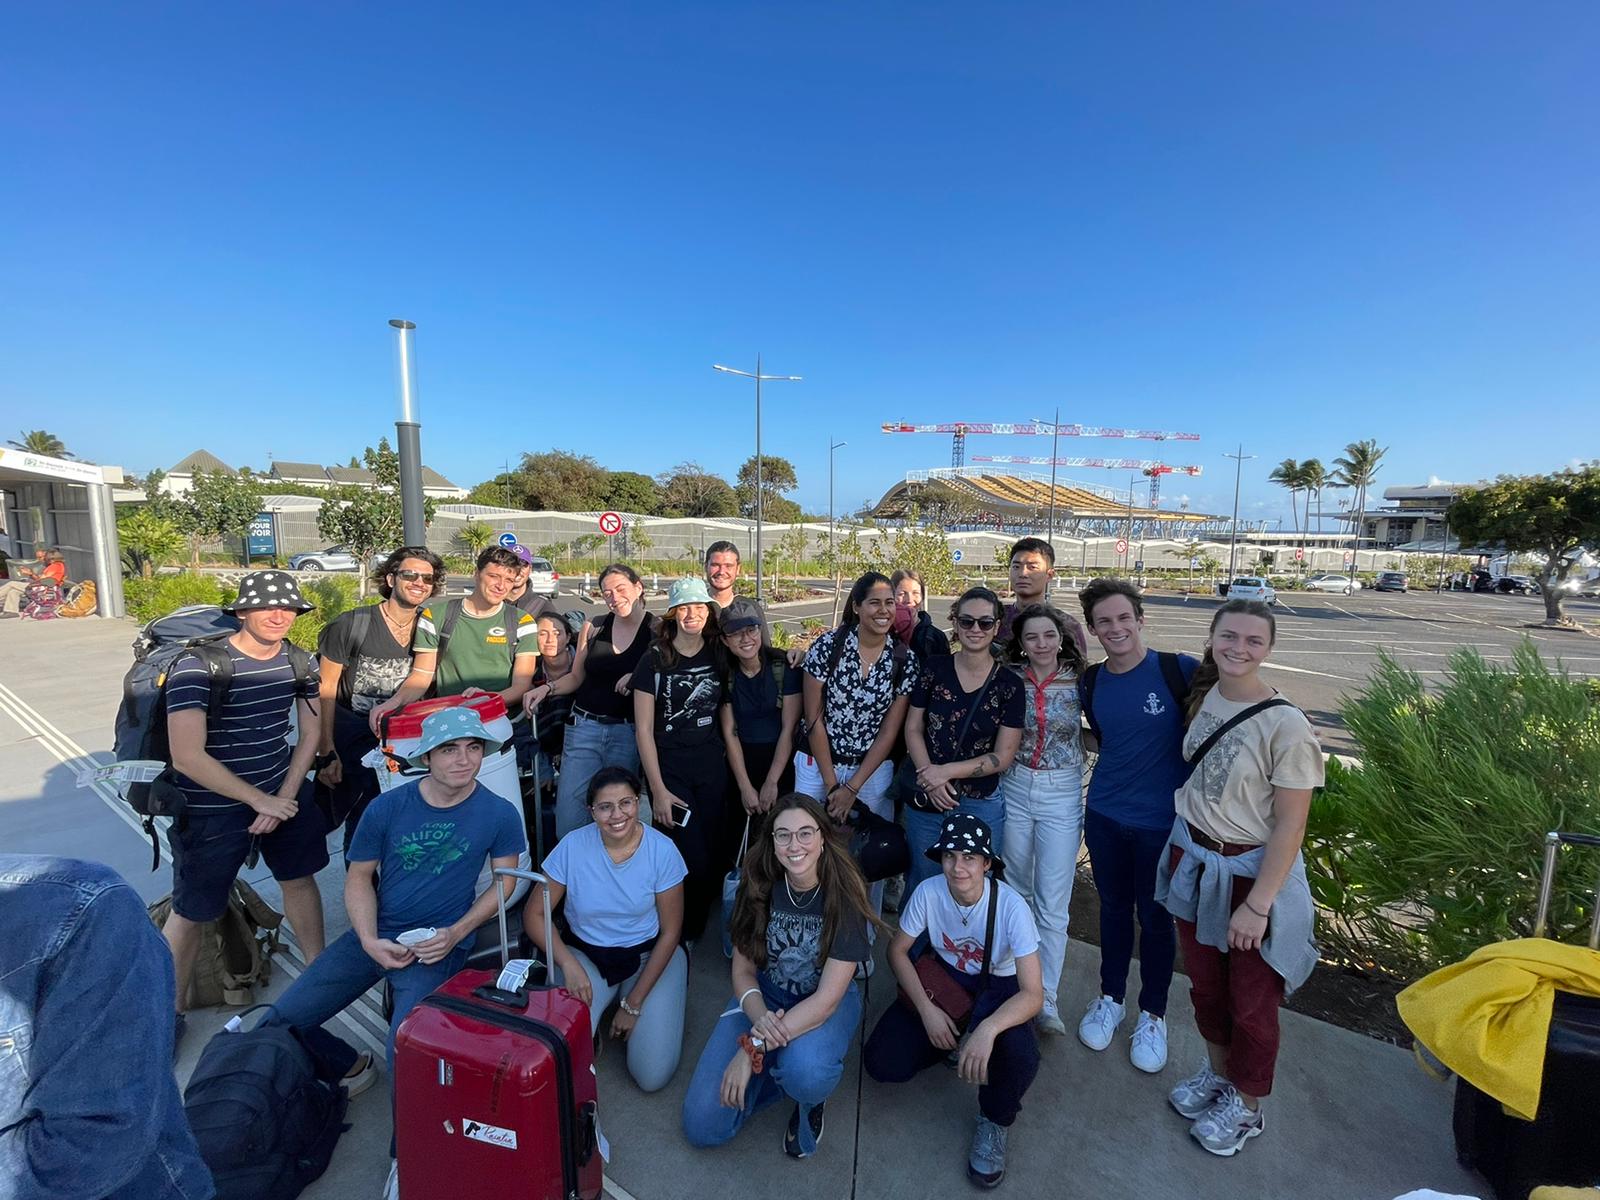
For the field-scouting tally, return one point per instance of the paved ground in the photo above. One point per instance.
(1351, 1117)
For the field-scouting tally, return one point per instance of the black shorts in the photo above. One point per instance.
(208, 848)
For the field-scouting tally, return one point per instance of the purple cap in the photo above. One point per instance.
(523, 553)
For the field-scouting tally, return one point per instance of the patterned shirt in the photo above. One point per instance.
(946, 702)
(1052, 733)
(854, 708)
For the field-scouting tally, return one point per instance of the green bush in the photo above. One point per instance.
(1432, 846)
(147, 599)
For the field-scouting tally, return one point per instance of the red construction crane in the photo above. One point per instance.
(960, 429)
(1146, 466)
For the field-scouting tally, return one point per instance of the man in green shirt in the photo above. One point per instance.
(481, 643)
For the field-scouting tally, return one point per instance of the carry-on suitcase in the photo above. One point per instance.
(1562, 1145)
(495, 1091)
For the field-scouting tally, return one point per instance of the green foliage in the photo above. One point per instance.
(370, 519)
(40, 441)
(689, 490)
(777, 478)
(474, 535)
(147, 599)
(505, 490)
(221, 505)
(639, 539)
(562, 481)
(148, 539)
(920, 548)
(631, 492)
(1432, 846)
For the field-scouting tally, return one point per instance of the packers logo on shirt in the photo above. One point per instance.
(497, 636)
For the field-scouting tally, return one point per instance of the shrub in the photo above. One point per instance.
(147, 599)
(1432, 846)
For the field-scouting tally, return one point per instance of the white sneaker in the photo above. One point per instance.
(362, 1076)
(1227, 1125)
(1099, 1024)
(391, 1189)
(1147, 1049)
(1198, 1093)
(1049, 1019)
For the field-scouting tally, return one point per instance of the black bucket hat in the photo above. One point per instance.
(964, 834)
(268, 589)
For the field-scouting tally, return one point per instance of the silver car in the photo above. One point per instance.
(1327, 581)
(334, 558)
(1252, 587)
(543, 579)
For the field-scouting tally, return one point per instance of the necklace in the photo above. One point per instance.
(401, 630)
(966, 916)
(816, 891)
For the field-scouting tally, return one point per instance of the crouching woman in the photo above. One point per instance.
(800, 924)
(980, 976)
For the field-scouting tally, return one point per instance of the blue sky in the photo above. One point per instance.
(1287, 225)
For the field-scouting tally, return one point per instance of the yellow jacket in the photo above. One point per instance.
(1487, 1017)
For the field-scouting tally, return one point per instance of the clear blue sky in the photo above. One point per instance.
(1288, 225)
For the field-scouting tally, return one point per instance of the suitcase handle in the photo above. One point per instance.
(549, 925)
(1553, 841)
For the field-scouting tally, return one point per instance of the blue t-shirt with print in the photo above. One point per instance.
(429, 858)
(1141, 763)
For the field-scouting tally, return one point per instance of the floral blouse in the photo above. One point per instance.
(945, 704)
(854, 708)
(1052, 733)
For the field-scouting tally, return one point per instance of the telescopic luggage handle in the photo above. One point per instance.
(500, 897)
(1553, 841)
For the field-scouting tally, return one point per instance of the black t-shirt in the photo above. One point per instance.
(795, 954)
(758, 701)
(603, 667)
(945, 701)
(530, 602)
(373, 664)
(687, 695)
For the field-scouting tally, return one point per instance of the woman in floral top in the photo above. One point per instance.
(1043, 790)
(962, 731)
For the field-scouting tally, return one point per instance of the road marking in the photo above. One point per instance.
(1347, 612)
(1305, 671)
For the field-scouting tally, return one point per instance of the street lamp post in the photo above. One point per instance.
(758, 377)
(833, 556)
(1233, 530)
(1055, 440)
(408, 436)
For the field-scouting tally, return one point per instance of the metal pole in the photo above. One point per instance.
(1233, 530)
(408, 437)
(1444, 547)
(1055, 439)
(758, 478)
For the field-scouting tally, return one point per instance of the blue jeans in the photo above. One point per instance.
(1124, 859)
(922, 831)
(587, 746)
(806, 1070)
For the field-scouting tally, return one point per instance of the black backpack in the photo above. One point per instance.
(141, 728)
(264, 1121)
(1171, 672)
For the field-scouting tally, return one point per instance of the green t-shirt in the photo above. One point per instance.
(476, 655)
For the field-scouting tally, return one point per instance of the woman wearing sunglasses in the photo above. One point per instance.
(800, 927)
(623, 884)
(962, 731)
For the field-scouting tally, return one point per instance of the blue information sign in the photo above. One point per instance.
(263, 539)
(507, 539)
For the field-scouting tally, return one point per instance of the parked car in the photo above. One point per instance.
(543, 579)
(1327, 581)
(1519, 585)
(1391, 581)
(1252, 587)
(334, 558)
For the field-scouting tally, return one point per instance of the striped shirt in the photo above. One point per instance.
(250, 735)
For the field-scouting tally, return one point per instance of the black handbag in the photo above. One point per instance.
(879, 846)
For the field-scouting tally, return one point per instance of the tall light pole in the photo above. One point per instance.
(1055, 440)
(408, 436)
(759, 378)
(1233, 531)
(833, 557)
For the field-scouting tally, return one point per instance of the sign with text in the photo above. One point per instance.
(263, 536)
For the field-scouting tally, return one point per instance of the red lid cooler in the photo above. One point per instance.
(405, 724)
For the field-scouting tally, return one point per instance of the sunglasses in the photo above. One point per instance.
(983, 623)
(416, 576)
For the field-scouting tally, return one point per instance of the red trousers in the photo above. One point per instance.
(1236, 997)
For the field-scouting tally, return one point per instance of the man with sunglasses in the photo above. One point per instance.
(366, 656)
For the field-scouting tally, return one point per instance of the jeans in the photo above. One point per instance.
(922, 831)
(1044, 824)
(876, 793)
(656, 1043)
(806, 1070)
(588, 746)
(1124, 860)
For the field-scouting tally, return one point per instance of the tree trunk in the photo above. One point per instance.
(1548, 591)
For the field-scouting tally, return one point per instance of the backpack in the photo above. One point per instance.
(141, 728)
(235, 950)
(42, 601)
(1171, 673)
(777, 666)
(81, 600)
(452, 614)
(264, 1122)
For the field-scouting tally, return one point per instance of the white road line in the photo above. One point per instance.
(1304, 671)
(1348, 613)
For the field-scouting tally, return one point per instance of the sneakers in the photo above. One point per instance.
(986, 1162)
(1148, 1046)
(391, 1189)
(1196, 1094)
(1049, 1019)
(894, 891)
(362, 1076)
(791, 1136)
(1099, 1024)
(1227, 1125)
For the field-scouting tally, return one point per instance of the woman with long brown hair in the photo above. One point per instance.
(800, 928)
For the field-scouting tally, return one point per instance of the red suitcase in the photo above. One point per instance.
(495, 1093)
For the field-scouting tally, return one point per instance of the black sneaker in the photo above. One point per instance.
(791, 1137)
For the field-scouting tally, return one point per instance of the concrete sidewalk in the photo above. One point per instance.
(1350, 1119)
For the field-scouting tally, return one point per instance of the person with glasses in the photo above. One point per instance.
(366, 656)
(623, 886)
(800, 927)
(962, 731)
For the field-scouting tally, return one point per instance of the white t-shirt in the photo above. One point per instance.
(960, 942)
(614, 904)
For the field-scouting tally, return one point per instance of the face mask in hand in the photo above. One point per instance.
(905, 620)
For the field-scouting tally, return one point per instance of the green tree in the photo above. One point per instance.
(689, 490)
(631, 492)
(369, 519)
(639, 540)
(919, 547)
(475, 535)
(792, 545)
(39, 441)
(1313, 478)
(1549, 516)
(148, 539)
(777, 478)
(1288, 476)
(505, 490)
(222, 506)
(1356, 468)
(561, 481)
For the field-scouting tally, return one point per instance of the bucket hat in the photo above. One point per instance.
(268, 589)
(688, 591)
(449, 725)
(964, 834)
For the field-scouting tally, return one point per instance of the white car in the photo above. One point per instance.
(543, 579)
(1327, 581)
(1252, 587)
(334, 558)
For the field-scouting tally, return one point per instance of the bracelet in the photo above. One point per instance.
(845, 784)
(1254, 909)
(628, 1008)
(750, 992)
(756, 1049)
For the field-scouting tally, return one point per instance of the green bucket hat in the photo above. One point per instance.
(449, 725)
(688, 591)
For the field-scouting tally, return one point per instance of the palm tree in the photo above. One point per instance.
(1287, 475)
(39, 441)
(1313, 478)
(1356, 468)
